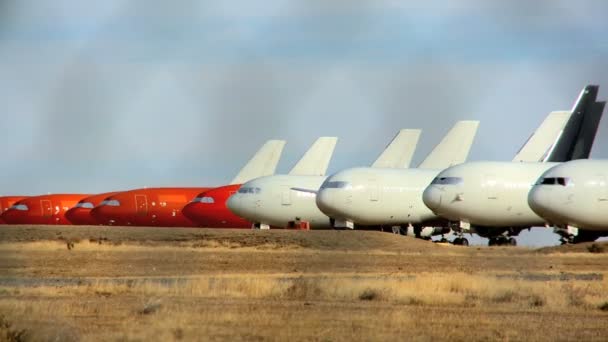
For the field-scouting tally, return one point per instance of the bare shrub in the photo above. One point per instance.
(150, 307)
(595, 248)
(604, 306)
(415, 301)
(505, 296)
(575, 296)
(9, 333)
(536, 301)
(303, 288)
(369, 294)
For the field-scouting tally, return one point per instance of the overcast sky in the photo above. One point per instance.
(117, 94)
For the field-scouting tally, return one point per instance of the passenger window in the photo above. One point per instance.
(111, 203)
(447, 181)
(548, 181)
(563, 181)
(335, 185)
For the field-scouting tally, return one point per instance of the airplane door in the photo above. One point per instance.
(285, 195)
(491, 185)
(374, 193)
(47, 208)
(141, 204)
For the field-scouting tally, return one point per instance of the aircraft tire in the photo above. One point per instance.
(457, 241)
(512, 242)
(464, 242)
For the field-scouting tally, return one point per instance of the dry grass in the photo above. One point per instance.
(153, 284)
(431, 289)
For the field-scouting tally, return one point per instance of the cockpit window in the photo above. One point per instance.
(447, 181)
(335, 185)
(111, 203)
(85, 205)
(205, 199)
(563, 181)
(249, 190)
(20, 207)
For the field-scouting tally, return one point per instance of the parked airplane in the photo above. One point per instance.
(6, 202)
(491, 198)
(45, 209)
(80, 214)
(382, 197)
(270, 201)
(162, 207)
(573, 197)
(209, 208)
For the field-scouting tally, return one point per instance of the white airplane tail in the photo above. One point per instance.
(545, 136)
(263, 163)
(398, 154)
(454, 148)
(316, 160)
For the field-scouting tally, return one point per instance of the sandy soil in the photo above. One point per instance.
(90, 283)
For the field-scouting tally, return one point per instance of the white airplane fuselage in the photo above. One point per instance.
(573, 194)
(488, 194)
(273, 201)
(372, 196)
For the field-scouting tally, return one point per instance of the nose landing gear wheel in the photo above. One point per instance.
(461, 242)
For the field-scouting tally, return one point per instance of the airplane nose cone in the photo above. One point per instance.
(539, 201)
(192, 210)
(72, 215)
(12, 216)
(325, 202)
(234, 204)
(100, 214)
(432, 197)
(80, 216)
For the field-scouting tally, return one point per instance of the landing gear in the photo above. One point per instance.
(460, 241)
(260, 226)
(502, 241)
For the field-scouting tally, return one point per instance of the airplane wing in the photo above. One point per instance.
(398, 154)
(263, 163)
(316, 160)
(454, 148)
(545, 136)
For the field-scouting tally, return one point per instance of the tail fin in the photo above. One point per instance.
(263, 163)
(591, 123)
(316, 160)
(545, 136)
(577, 138)
(454, 148)
(398, 154)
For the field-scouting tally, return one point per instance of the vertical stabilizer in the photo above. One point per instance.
(576, 140)
(398, 154)
(591, 123)
(454, 148)
(316, 160)
(545, 136)
(263, 163)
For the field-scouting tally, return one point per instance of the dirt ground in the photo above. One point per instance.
(94, 283)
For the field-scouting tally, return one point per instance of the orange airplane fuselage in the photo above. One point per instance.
(152, 207)
(80, 214)
(7, 202)
(209, 209)
(45, 209)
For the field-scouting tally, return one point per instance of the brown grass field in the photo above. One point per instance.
(144, 284)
